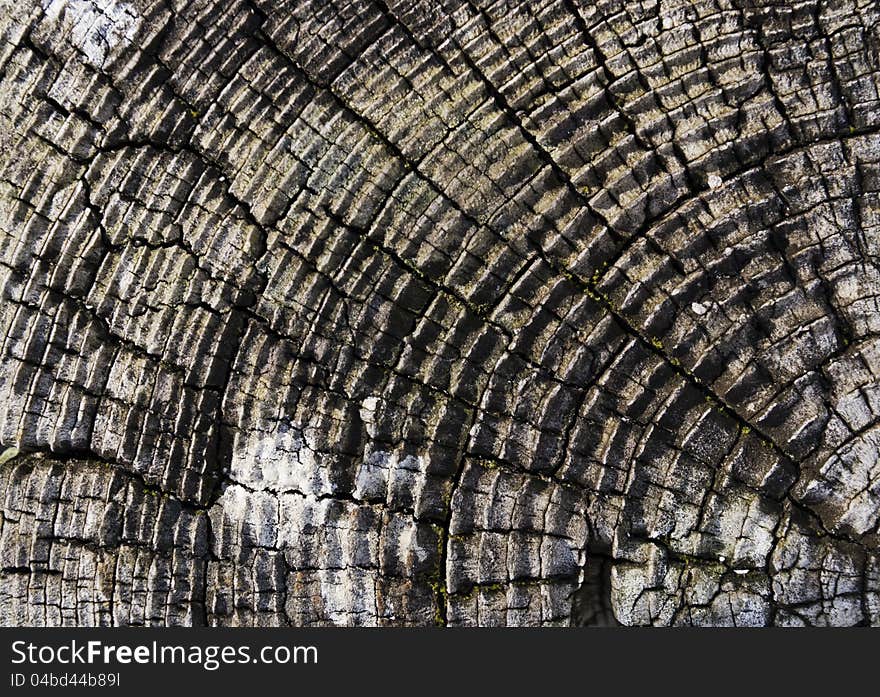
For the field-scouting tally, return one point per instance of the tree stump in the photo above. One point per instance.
(408, 312)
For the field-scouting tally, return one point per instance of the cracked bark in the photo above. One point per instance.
(417, 312)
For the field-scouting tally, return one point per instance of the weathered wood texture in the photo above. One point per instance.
(417, 311)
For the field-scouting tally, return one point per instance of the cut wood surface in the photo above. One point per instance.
(438, 312)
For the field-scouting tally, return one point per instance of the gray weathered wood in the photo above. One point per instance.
(414, 312)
